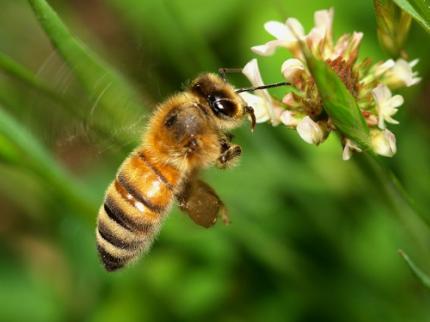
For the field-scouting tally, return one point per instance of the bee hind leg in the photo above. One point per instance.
(201, 203)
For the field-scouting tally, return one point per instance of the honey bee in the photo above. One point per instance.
(188, 132)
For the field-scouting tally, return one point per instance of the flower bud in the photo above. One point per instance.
(289, 119)
(291, 68)
(393, 26)
(383, 142)
(310, 131)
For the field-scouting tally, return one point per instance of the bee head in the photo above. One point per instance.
(221, 98)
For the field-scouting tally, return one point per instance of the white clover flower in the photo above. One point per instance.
(383, 142)
(386, 104)
(401, 74)
(382, 68)
(289, 118)
(291, 68)
(324, 21)
(319, 39)
(369, 85)
(259, 105)
(290, 101)
(348, 149)
(310, 131)
(285, 37)
(261, 102)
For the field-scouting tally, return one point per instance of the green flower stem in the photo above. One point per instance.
(422, 277)
(115, 96)
(392, 187)
(416, 223)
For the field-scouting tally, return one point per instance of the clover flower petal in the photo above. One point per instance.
(265, 105)
(310, 131)
(386, 104)
(291, 68)
(324, 19)
(259, 105)
(267, 49)
(289, 119)
(348, 149)
(285, 36)
(382, 68)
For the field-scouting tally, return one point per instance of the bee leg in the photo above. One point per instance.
(223, 213)
(223, 71)
(201, 203)
(229, 153)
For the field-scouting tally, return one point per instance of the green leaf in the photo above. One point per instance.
(393, 26)
(19, 148)
(118, 100)
(418, 9)
(339, 103)
(424, 278)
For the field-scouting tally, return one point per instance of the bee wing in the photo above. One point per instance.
(201, 203)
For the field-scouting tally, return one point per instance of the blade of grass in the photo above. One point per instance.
(422, 277)
(19, 148)
(103, 84)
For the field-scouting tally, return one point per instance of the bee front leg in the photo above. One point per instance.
(230, 153)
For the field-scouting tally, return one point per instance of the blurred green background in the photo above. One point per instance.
(313, 238)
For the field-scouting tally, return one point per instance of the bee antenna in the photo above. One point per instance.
(251, 89)
(249, 110)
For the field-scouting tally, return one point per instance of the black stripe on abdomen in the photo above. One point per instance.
(115, 213)
(127, 186)
(110, 262)
(154, 169)
(116, 241)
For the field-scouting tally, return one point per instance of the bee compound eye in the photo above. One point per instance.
(222, 106)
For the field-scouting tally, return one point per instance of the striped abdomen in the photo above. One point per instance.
(134, 206)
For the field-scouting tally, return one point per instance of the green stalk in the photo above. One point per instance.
(116, 97)
(422, 277)
(391, 185)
